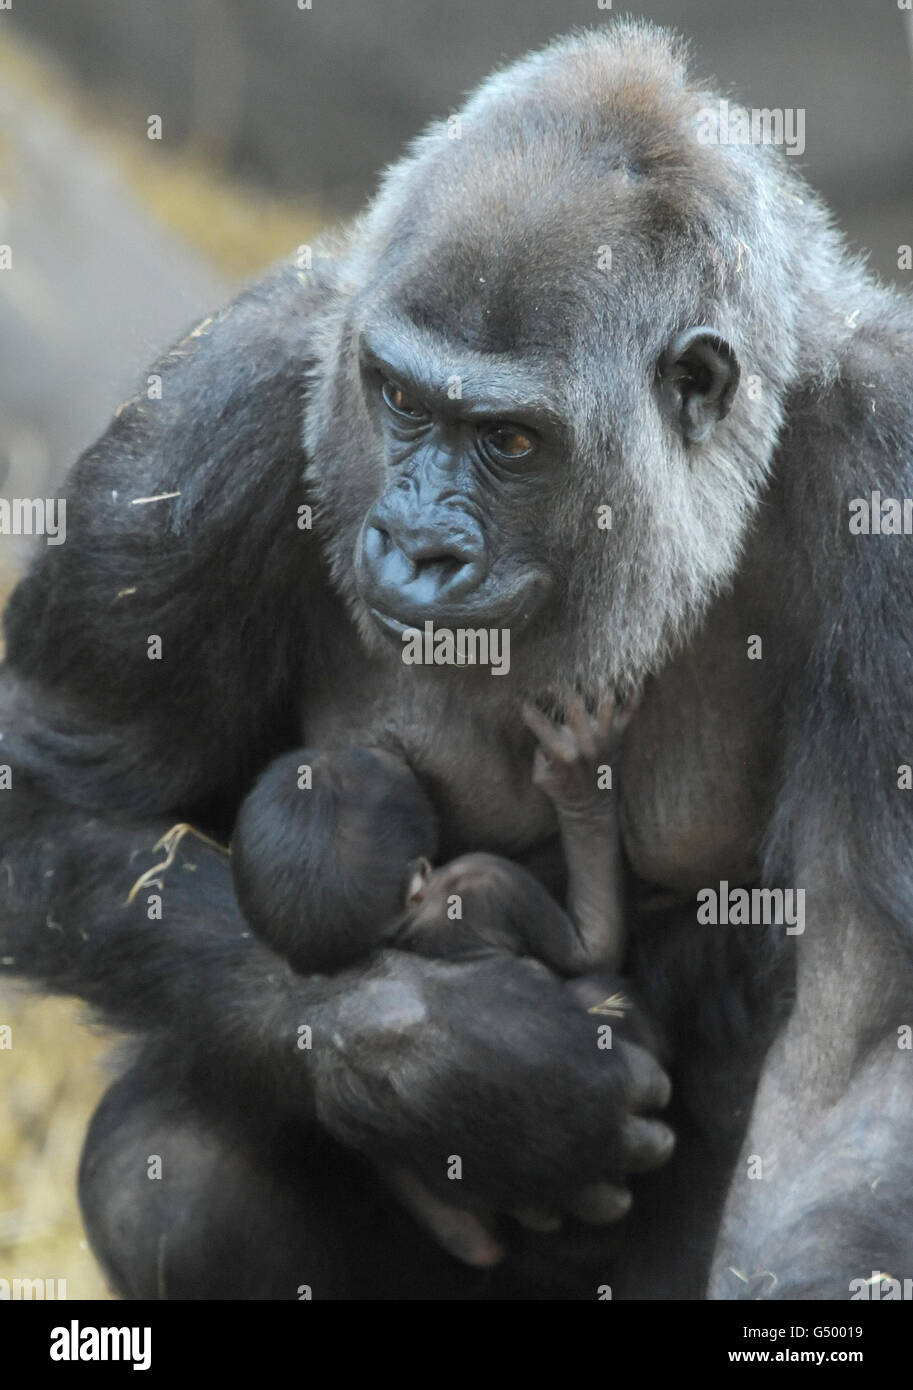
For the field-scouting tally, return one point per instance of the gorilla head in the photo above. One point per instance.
(544, 314)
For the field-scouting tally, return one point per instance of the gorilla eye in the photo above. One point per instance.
(508, 442)
(396, 400)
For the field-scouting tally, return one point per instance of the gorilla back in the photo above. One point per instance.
(582, 374)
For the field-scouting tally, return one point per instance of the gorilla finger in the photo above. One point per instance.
(649, 1088)
(600, 1204)
(647, 1143)
(605, 719)
(538, 724)
(460, 1233)
(623, 718)
(556, 742)
(582, 729)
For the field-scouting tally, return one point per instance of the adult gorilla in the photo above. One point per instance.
(458, 388)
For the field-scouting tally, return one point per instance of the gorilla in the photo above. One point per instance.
(587, 377)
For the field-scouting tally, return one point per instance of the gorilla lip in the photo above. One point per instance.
(391, 626)
(523, 603)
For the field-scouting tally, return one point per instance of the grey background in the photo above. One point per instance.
(317, 100)
(314, 102)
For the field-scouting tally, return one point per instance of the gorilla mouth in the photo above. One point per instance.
(514, 612)
(438, 571)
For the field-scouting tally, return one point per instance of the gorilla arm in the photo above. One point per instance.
(567, 768)
(832, 1122)
(109, 748)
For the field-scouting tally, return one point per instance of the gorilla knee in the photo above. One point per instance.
(143, 1182)
(178, 1207)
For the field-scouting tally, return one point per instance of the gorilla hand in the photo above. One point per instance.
(419, 1063)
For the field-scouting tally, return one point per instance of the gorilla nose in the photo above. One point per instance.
(420, 569)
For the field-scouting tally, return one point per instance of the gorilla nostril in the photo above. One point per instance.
(444, 559)
(377, 542)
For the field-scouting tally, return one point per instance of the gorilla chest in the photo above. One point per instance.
(695, 774)
(699, 767)
(477, 772)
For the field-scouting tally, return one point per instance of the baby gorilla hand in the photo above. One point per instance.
(567, 760)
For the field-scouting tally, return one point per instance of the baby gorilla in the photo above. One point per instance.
(361, 822)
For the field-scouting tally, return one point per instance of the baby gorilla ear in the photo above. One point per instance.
(419, 874)
(699, 375)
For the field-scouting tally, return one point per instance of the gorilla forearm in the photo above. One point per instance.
(109, 748)
(231, 1007)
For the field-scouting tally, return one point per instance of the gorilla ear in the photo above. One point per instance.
(699, 375)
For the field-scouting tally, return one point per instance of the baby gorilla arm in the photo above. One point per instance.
(568, 767)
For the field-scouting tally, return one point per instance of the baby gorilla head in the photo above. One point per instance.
(322, 862)
(331, 856)
(480, 903)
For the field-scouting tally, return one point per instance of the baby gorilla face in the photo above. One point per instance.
(453, 910)
(481, 903)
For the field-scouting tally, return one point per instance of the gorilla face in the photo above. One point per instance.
(548, 439)
(439, 542)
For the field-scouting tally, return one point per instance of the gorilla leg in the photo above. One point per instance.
(240, 1212)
